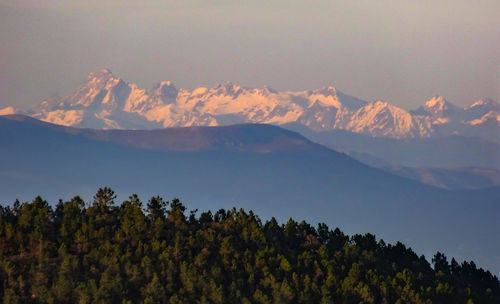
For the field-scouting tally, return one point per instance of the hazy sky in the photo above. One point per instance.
(400, 51)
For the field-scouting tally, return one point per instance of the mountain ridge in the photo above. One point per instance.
(105, 101)
(312, 183)
(186, 138)
(267, 139)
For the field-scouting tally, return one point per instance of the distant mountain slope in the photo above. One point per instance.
(252, 138)
(453, 179)
(454, 151)
(108, 102)
(448, 178)
(262, 139)
(282, 174)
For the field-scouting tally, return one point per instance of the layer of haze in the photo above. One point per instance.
(403, 52)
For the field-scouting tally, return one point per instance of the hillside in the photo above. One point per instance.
(162, 252)
(259, 167)
(450, 152)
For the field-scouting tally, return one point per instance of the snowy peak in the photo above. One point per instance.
(106, 101)
(484, 112)
(100, 87)
(485, 102)
(437, 102)
(326, 97)
(100, 102)
(481, 107)
(53, 102)
(8, 111)
(381, 106)
(227, 89)
(490, 117)
(331, 97)
(269, 90)
(101, 75)
(165, 89)
(326, 91)
(381, 119)
(199, 91)
(440, 107)
(102, 80)
(164, 92)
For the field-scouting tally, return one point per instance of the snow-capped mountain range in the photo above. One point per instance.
(105, 101)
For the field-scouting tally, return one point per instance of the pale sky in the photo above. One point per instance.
(401, 51)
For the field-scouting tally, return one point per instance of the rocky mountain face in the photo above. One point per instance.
(108, 102)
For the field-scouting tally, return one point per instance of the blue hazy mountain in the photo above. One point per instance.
(447, 151)
(268, 169)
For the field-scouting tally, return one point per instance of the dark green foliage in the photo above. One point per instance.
(102, 253)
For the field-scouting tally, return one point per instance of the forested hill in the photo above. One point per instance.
(160, 252)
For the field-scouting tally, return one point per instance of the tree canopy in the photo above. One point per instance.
(160, 253)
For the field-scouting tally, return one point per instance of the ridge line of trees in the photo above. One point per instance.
(161, 253)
